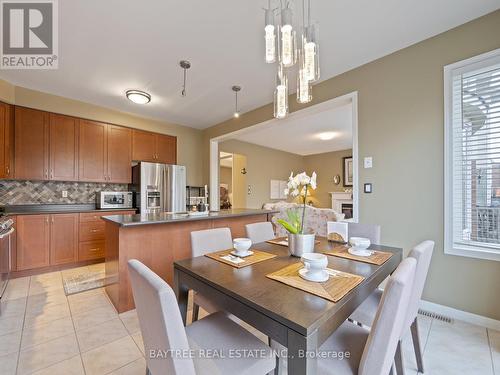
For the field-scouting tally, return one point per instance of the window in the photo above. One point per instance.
(472, 157)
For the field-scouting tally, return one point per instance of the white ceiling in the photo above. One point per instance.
(107, 47)
(299, 133)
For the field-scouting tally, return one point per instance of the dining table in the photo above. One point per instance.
(298, 320)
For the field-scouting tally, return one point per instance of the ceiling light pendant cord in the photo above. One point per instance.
(183, 93)
(185, 65)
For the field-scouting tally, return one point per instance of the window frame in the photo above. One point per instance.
(474, 63)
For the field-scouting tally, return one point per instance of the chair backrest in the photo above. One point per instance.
(260, 232)
(160, 321)
(210, 240)
(423, 254)
(370, 231)
(378, 354)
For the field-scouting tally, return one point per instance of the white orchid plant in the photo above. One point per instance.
(297, 185)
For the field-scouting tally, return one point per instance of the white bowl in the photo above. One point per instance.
(241, 245)
(359, 242)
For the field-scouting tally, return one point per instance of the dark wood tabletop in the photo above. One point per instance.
(292, 317)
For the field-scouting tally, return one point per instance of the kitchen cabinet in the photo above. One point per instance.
(6, 141)
(119, 154)
(63, 146)
(31, 131)
(105, 153)
(63, 239)
(152, 147)
(32, 241)
(92, 161)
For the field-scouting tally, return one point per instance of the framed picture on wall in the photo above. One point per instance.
(347, 171)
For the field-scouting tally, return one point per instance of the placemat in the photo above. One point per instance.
(378, 257)
(224, 257)
(283, 241)
(336, 287)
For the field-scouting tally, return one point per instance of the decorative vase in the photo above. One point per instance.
(299, 244)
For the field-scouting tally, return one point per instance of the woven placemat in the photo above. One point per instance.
(336, 287)
(256, 257)
(378, 257)
(283, 241)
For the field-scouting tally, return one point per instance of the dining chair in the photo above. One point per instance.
(174, 349)
(370, 231)
(365, 313)
(260, 232)
(204, 242)
(372, 351)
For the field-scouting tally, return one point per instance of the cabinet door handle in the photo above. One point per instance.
(52, 220)
(94, 230)
(46, 173)
(7, 170)
(94, 249)
(47, 220)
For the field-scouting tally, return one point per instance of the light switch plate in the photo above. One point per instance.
(368, 188)
(368, 162)
(65, 194)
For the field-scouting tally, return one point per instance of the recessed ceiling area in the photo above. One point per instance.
(308, 133)
(109, 47)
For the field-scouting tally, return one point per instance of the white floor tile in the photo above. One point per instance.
(91, 318)
(13, 307)
(42, 332)
(138, 367)
(129, 318)
(494, 337)
(10, 342)
(72, 366)
(11, 324)
(101, 334)
(8, 364)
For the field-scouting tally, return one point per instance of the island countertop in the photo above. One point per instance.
(165, 218)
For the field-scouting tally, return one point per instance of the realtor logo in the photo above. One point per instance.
(29, 34)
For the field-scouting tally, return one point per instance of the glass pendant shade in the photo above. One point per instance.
(281, 95)
(288, 42)
(311, 53)
(304, 88)
(270, 36)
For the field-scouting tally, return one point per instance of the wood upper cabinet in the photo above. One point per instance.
(119, 158)
(32, 241)
(6, 141)
(63, 146)
(31, 144)
(63, 238)
(166, 149)
(92, 160)
(154, 147)
(143, 146)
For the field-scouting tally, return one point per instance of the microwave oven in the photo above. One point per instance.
(114, 199)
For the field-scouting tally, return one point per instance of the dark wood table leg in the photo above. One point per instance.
(182, 293)
(302, 354)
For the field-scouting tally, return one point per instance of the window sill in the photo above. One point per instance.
(478, 253)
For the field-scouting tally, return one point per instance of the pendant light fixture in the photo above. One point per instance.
(236, 89)
(285, 51)
(185, 65)
(270, 36)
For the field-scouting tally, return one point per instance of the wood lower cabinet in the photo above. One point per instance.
(6, 141)
(31, 148)
(63, 148)
(33, 241)
(63, 238)
(91, 250)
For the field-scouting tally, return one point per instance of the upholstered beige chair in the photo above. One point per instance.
(204, 242)
(365, 313)
(260, 232)
(370, 231)
(372, 351)
(175, 350)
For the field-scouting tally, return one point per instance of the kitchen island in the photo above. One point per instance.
(158, 240)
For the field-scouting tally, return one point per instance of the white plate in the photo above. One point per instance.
(244, 255)
(318, 278)
(360, 252)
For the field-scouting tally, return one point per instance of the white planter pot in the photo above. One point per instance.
(299, 244)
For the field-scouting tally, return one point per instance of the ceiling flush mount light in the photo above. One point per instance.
(185, 65)
(286, 51)
(137, 96)
(236, 89)
(327, 136)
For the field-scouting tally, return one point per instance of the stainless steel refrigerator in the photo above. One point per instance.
(159, 187)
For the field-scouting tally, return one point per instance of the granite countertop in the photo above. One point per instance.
(31, 209)
(165, 218)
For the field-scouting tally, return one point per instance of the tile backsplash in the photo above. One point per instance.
(43, 192)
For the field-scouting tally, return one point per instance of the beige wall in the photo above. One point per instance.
(326, 166)
(263, 165)
(400, 114)
(189, 140)
(226, 177)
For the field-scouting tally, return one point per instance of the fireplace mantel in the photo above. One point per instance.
(338, 198)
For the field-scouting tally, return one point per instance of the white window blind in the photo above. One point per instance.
(472, 159)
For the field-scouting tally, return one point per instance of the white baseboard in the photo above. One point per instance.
(468, 317)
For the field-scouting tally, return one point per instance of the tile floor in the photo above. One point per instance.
(44, 332)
